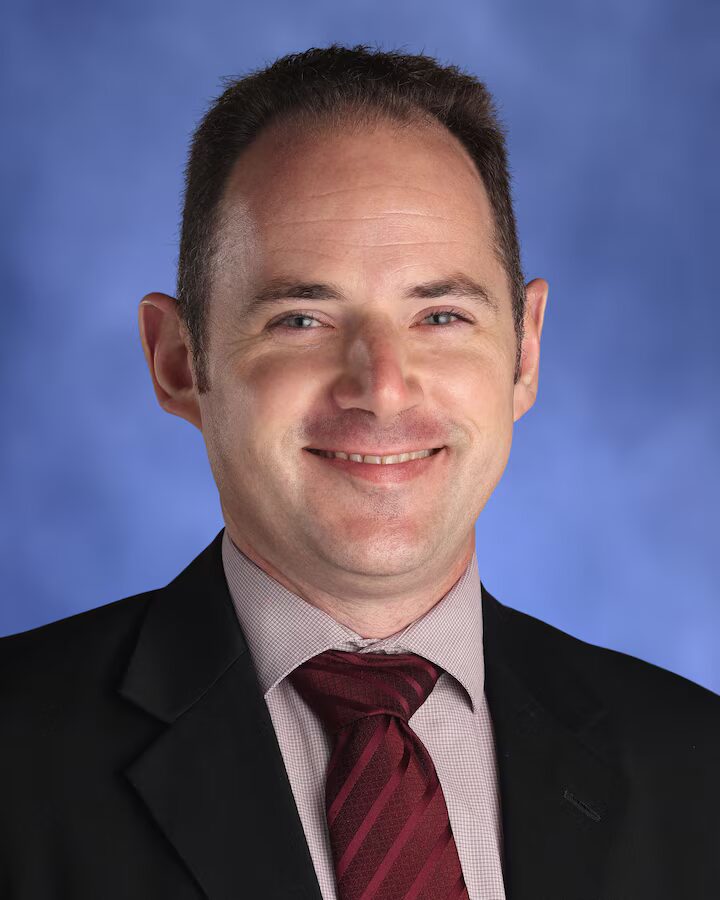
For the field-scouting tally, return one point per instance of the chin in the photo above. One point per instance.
(381, 553)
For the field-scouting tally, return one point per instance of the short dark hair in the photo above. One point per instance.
(336, 84)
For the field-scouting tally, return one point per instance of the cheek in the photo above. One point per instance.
(475, 387)
(262, 408)
(274, 389)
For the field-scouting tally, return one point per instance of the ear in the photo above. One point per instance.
(166, 346)
(525, 391)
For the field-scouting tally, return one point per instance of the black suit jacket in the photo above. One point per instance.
(138, 760)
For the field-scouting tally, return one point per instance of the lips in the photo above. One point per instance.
(375, 459)
(371, 452)
(381, 473)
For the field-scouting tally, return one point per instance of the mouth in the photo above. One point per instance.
(390, 458)
(381, 469)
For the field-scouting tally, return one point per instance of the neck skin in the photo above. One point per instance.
(368, 615)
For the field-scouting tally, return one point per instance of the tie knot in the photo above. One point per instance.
(341, 687)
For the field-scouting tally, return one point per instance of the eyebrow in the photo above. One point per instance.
(457, 285)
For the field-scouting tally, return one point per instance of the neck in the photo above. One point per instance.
(370, 616)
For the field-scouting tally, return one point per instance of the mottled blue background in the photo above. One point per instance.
(605, 522)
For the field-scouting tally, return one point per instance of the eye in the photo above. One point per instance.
(449, 312)
(309, 317)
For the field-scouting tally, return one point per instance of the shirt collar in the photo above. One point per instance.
(283, 630)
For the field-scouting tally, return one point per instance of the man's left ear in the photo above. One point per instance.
(525, 391)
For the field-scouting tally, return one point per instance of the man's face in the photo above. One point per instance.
(363, 359)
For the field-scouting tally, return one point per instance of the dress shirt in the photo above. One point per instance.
(283, 630)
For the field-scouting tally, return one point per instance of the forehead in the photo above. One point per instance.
(382, 191)
(288, 168)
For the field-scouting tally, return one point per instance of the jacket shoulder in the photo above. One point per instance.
(660, 706)
(70, 655)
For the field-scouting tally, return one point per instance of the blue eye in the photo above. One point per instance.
(448, 312)
(307, 316)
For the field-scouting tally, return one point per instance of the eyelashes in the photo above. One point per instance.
(301, 314)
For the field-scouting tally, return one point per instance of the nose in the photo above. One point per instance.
(375, 373)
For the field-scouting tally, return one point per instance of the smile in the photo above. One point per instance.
(374, 459)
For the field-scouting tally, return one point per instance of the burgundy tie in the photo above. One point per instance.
(389, 827)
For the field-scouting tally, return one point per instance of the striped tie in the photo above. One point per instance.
(388, 823)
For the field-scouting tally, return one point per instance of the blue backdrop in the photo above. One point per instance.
(604, 523)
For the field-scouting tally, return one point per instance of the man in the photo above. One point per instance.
(327, 702)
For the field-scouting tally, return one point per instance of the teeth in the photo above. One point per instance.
(376, 460)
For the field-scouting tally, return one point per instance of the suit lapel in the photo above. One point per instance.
(215, 783)
(214, 780)
(562, 793)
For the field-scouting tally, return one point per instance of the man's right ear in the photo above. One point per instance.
(166, 346)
